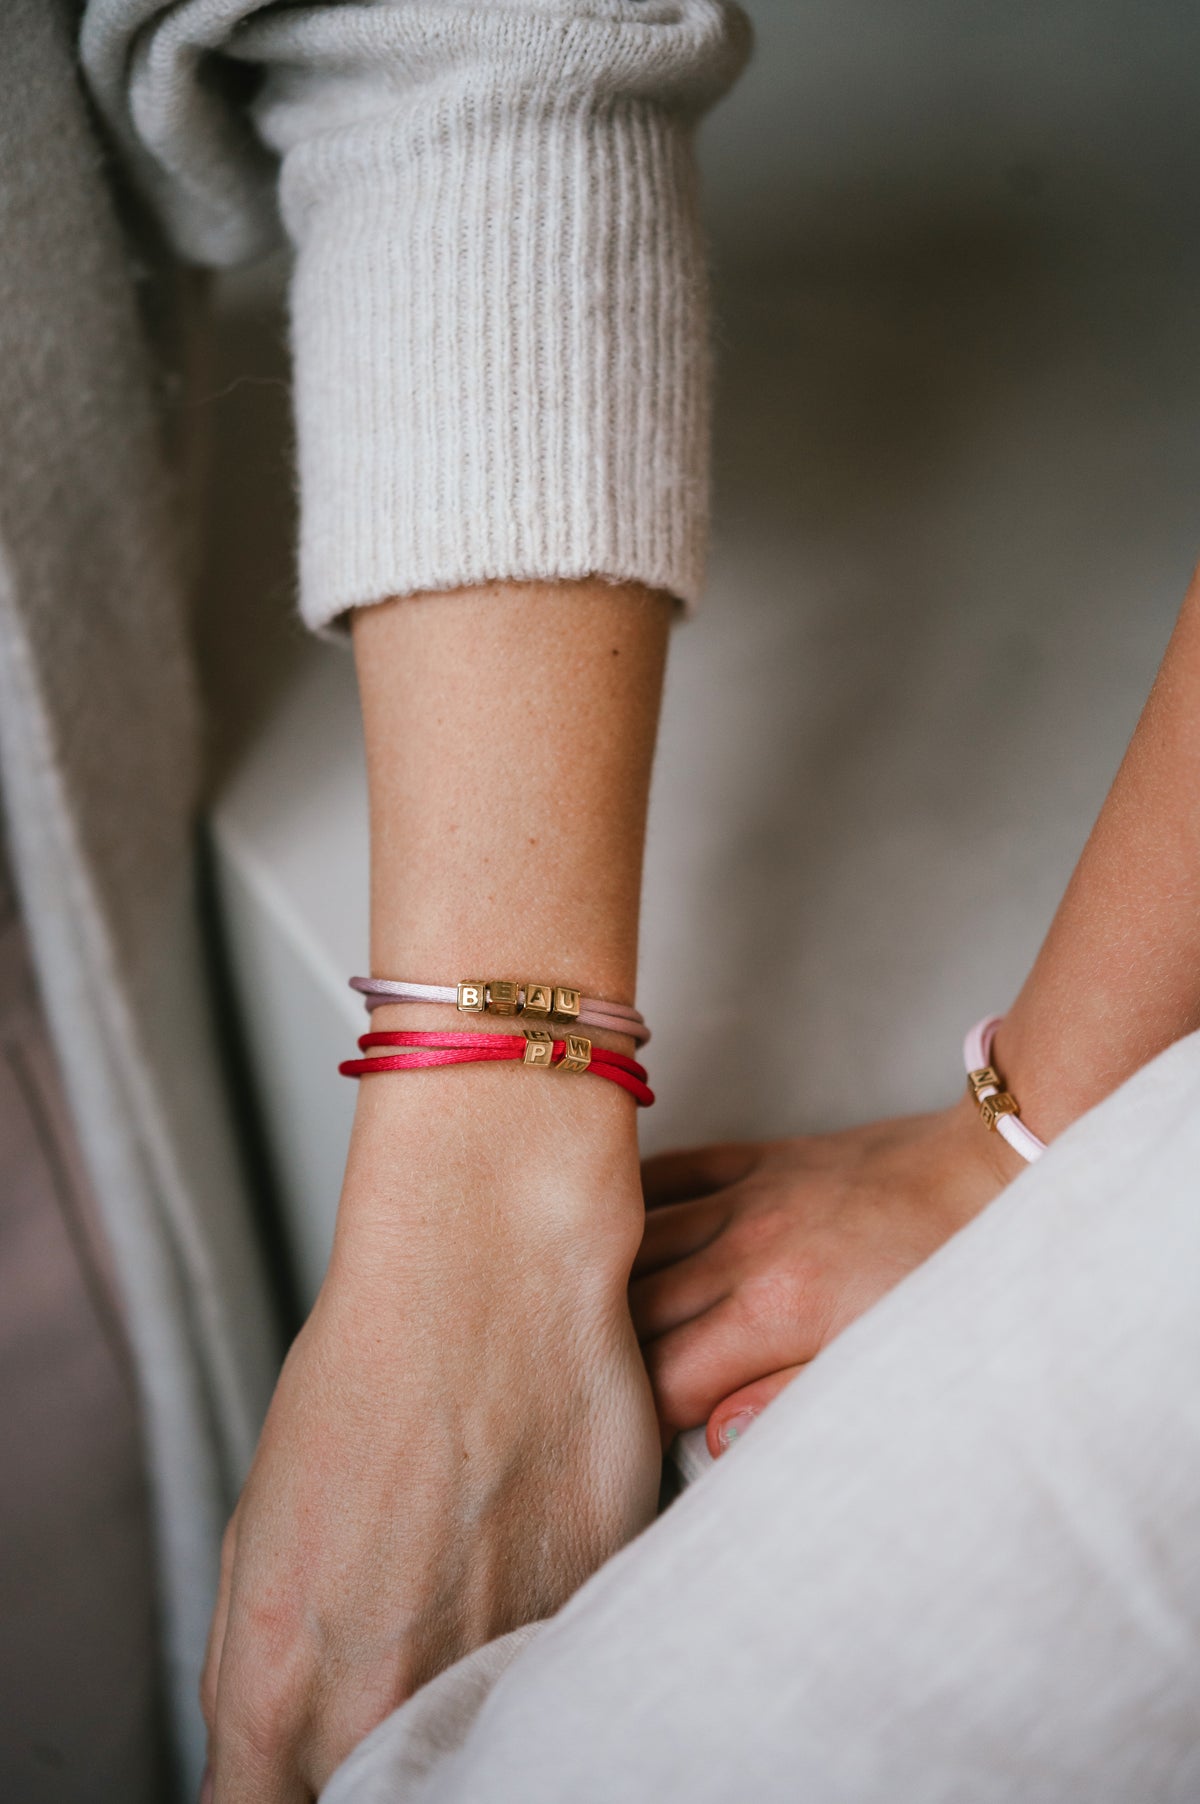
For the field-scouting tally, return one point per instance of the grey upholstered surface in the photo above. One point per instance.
(79, 1664)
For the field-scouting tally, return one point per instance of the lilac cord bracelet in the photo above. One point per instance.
(509, 996)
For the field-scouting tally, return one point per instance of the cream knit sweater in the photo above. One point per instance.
(499, 324)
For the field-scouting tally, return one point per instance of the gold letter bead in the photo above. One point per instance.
(566, 1003)
(578, 1055)
(504, 996)
(471, 995)
(992, 1107)
(984, 1079)
(539, 998)
(539, 1047)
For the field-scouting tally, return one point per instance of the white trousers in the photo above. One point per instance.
(957, 1562)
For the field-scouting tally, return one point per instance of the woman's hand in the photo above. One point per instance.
(463, 1430)
(754, 1257)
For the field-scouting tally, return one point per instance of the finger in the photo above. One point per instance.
(262, 1720)
(666, 1299)
(733, 1418)
(216, 1632)
(681, 1177)
(693, 1367)
(264, 1686)
(678, 1229)
(760, 1328)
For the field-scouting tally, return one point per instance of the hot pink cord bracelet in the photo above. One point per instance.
(533, 1046)
(997, 1106)
(510, 996)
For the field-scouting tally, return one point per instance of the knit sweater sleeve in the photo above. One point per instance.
(499, 318)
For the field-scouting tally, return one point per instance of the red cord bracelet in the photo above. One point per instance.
(533, 1046)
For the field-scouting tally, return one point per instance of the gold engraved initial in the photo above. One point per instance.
(539, 998)
(992, 1107)
(566, 1003)
(471, 995)
(539, 1047)
(503, 996)
(578, 1054)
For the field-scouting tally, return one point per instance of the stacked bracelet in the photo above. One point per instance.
(510, 996)
(997, 1106)
(532, 1046)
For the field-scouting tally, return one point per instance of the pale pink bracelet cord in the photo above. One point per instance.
(977, 1052)
(617, 1017)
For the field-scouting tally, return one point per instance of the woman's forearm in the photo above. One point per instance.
(1118, 977)
(510, 732)
(509, 736)
(464, 1430)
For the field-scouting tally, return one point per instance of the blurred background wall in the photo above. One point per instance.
(955, 251)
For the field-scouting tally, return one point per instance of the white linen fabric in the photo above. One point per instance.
(955, 1563)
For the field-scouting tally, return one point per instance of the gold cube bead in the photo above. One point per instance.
(992, 1107)
(566, 1002)
(986, 1078)
(578, 1055)
(472, 995)
(504, 996)
(539, 1047)
(539, 998)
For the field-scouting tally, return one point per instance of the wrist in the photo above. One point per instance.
(984, 1153)
(1053, 1077)
(491, 1155)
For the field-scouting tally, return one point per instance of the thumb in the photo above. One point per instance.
(731, 1419)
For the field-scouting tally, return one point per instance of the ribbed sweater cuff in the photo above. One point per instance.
(501, 351)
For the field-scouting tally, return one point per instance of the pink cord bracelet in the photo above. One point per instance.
(997, 1106)
(510, 996)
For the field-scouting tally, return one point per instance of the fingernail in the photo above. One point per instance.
(735, 1427)
(206, 1786)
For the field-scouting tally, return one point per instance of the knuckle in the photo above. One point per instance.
(266, 1723)
(264, 1707)
(786, 1296)
(758, 1230)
